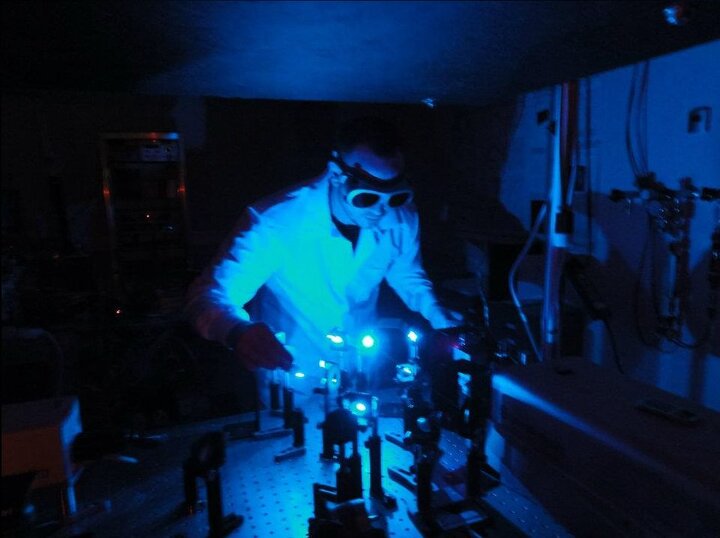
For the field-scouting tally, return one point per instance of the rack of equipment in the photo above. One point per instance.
(145, 206)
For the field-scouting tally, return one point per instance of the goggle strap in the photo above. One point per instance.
(358, 175)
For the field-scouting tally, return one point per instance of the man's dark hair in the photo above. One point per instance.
(381, 136)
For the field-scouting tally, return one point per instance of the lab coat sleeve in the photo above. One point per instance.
(408, 278)
(247, 259)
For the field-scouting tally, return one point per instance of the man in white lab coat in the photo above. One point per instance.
(316, 255)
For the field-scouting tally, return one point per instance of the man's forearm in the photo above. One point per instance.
(210, 318)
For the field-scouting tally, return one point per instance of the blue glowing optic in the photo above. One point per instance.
(360, 407)
(367, 341)
(322, 363)
(299, 374)
(412, 336)
(335, 338)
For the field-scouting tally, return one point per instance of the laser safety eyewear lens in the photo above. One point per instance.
(364, 199)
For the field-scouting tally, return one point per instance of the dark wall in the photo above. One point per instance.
(236, 151)
(50, 148)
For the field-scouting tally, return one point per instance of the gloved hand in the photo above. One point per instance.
(447, 318)
(256, 347)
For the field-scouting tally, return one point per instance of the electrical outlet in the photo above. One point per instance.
(700, 119)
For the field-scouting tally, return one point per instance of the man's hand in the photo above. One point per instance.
(257, 347)
(447, 319)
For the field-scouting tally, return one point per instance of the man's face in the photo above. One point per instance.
(380, 169)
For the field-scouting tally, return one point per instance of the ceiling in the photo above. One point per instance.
(388, 52)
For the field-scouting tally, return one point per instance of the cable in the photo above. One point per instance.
(628, 126)
(649, 242)
(574, 154)
(642, 117)
(636, 120)
(485, 310)
(513, 270)
(588, 161)
(699, 342)
(654, 292)
(712, 307)
(573, 177)
(636, 296)
(707, 332)
(613, 345)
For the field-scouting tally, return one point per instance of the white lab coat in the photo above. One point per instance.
(310, 279)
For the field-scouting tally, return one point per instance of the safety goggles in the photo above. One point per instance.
(363, 198)
(365, 191)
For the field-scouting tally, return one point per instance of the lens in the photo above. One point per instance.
(365, 199)
(396, 200)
